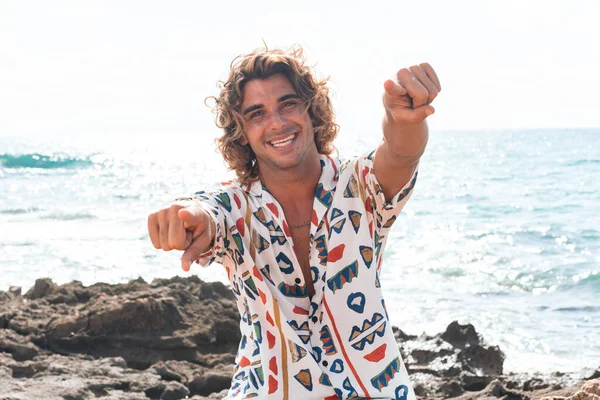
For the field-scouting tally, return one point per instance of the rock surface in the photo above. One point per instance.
(177, 338)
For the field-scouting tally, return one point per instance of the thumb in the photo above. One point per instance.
(412, 116)
(394, 89)
(192, 216)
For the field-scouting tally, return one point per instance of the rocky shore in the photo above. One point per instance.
(177, 338)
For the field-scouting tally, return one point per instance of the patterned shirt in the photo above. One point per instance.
(339, 343)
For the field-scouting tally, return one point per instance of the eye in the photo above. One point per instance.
(289, 104)
(256, 114)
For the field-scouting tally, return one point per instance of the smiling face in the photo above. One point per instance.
(277, 125)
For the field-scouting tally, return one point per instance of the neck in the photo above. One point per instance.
(293, 186)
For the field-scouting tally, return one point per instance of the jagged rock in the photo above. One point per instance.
(17, 345)
(178, 371)
(174, 391)
(589, 391)
(461, 336)
(14, 291)
(41, 288)
(210, 383)
(450, 389)
(178, 337)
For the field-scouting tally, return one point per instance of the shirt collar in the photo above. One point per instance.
(329, 177)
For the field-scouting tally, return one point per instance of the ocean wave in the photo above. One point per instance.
(19, 211)
(69, 216)
(582, 162)
(43, 161)
(581, 308)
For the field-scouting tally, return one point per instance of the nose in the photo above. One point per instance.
(276, 121)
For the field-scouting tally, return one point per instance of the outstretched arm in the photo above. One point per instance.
(184, 225)
(407, 102)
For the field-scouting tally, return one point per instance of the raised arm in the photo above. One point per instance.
(407, 102)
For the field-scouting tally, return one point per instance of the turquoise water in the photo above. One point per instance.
(502, 230)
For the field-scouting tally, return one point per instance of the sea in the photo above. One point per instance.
(502, 230)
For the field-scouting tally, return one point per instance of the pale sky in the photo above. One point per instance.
(89, 67)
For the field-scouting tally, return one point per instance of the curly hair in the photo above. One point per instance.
(261, 64)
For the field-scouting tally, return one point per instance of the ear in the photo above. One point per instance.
(243, 140)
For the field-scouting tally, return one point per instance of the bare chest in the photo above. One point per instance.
(300, 233)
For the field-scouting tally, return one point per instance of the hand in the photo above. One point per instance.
(408, 99)
(184, 225)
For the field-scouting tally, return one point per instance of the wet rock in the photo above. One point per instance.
(461, 336)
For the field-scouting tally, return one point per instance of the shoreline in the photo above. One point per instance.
(178, 337)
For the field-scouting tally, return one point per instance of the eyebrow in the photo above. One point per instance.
(283, 98)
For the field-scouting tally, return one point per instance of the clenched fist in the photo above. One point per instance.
(184, 225)
(407, 99)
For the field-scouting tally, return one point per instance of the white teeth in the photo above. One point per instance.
(283, 142)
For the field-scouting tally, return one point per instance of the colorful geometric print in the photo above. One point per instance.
(293, 290)
(285, 264)
(390, 222)
(260, 242)
(348, 386)
(324, 196)
(382, 379)
(337, 227)
(224, 200)
(327, 341)
(351, 190)
(323, 346)
(401, 392)
(366, 253)
(409, 189)
(321, 247)
(355, 217)
(376, 321)
(298, 352)
(302, 331)
(356, 302)
(337, 367)
(376, 355)
(324, 380)
(249, 285)
(266, 271)
(305, 379)
(346, 275)
(336, 212)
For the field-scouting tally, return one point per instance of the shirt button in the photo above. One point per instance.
(325, 363)
(298, 280)
(315, 319)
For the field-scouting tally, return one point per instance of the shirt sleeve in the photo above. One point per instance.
(211, 202)
(385, 212)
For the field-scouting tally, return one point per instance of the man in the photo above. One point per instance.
(301, 235)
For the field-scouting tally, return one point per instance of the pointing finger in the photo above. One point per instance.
(198, 246)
